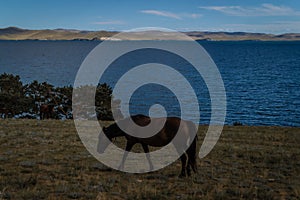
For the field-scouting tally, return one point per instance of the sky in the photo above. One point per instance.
(263, 16)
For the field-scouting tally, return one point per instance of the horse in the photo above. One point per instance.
(46, 111)
(162, 138)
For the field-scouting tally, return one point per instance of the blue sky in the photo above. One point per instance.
(280, 16)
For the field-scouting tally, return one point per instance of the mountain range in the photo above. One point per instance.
(15, 33)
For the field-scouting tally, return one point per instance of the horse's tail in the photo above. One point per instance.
(191, 151)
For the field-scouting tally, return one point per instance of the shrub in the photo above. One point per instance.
(20, 101)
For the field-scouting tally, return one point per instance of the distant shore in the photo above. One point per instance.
(14, 33)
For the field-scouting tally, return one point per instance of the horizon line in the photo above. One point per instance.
(183, 31)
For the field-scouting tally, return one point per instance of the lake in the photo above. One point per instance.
(262, 79)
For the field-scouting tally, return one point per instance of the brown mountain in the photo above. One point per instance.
(14, 33)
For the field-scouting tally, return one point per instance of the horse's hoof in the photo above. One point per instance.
(151, 168)
(121, 168)
(182, 176)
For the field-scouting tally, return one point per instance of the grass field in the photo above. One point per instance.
(46, 160)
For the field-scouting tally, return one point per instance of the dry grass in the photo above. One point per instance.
(46, 160)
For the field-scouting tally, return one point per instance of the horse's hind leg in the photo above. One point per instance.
(193, 165)
(183, 159)
(188, 167)
(146, 150)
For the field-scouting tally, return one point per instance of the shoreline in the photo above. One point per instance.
(197, 40)
(242, 126)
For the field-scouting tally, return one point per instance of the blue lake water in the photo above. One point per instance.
(262, 79)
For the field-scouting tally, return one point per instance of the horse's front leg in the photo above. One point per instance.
(128, 147)
(146, 150)
(183, 159)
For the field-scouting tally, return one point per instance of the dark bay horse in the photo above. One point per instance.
(162, 138)
(46, 111)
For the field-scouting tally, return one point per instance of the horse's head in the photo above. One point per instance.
(106, 135)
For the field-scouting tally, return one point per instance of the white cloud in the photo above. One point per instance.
(109, 22)
(161, 13)
(171, 15)
(263, 10)
(191, 15)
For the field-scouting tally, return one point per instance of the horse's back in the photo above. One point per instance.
(172, 126)
(141, 120)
